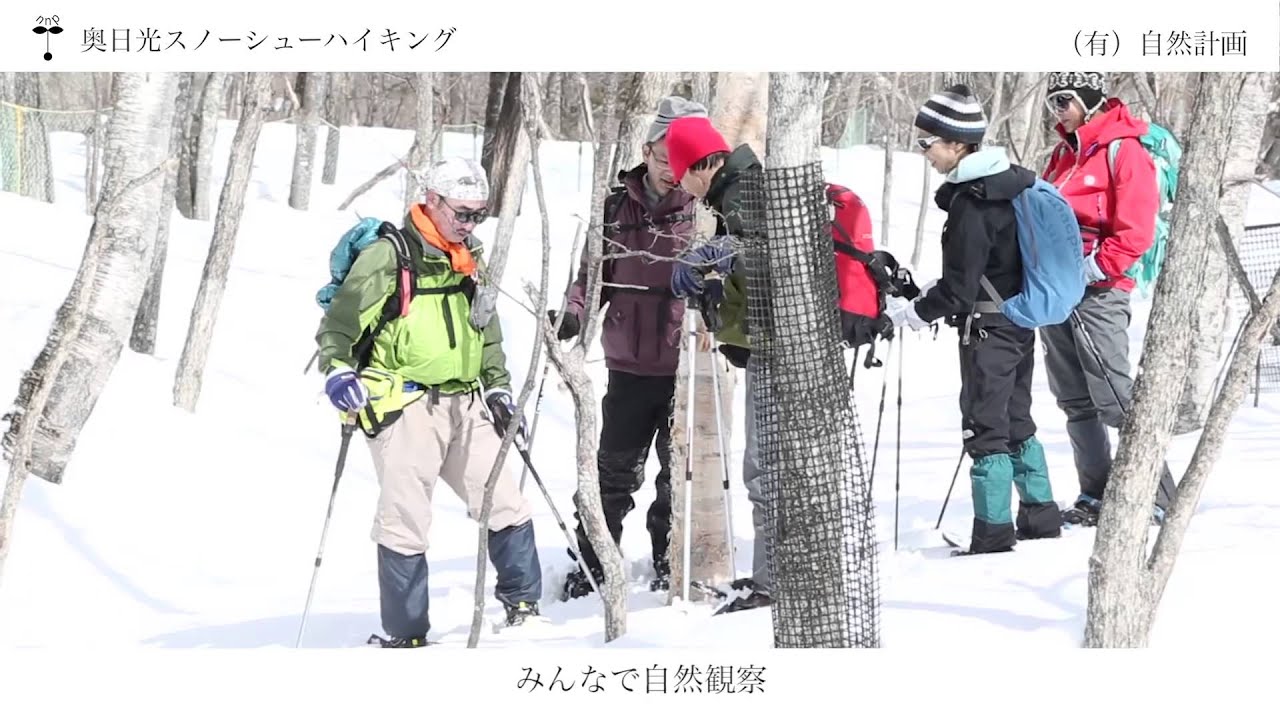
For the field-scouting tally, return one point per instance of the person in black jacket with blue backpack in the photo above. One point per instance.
(981, 256)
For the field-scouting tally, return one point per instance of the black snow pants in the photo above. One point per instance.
(636, 410)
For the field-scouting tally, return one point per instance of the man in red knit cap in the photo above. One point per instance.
(703, 164)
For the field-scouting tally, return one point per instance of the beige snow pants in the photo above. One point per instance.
(452, 441)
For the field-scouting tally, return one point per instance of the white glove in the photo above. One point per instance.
(1092, 273)
(901, 311)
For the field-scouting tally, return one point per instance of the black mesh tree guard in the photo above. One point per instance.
(821, 542)
(1260, 256)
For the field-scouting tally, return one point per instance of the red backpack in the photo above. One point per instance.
(851, 232)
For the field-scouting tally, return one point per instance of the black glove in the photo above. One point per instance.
(569, 328)
(737, 356)
(857, 330)
(501, 409)
(708, 304)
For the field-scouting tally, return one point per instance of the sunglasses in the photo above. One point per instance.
(927, 142)
(467, 216)
(1059, 102)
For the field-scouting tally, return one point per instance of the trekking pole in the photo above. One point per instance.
(348, 426)
(884, 390)
(688, 461)
(1097, 357)
(573, 543)
(947, 499)
(897, 458)
(724, 461)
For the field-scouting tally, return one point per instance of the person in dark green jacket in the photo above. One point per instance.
(706, 168)
(420, 388)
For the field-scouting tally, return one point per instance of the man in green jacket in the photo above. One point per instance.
(420, 375)
(706, 168)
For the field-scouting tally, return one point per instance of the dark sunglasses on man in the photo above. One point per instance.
(467, 216)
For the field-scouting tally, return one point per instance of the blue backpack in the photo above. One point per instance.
(344, 254)
(1053, 271)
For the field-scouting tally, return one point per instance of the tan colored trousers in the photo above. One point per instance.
(452, 441)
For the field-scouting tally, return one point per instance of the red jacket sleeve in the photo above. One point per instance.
(1136, 202)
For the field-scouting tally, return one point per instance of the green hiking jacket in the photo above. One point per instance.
(724, 197)
(435, 345)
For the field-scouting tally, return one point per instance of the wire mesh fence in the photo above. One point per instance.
(1260, 254)
(821, 545)
(32, 138)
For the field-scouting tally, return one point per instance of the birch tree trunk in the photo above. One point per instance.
(571, 364)
(147, 322)
(1209, 322)
(93, 323)
(196, 171)
(204, 313)
(1269, 155)
(36, 163)
(740, 113)
(500, 145)
(886, 202)
(820, 573)
(304, 153)
(335, 98)
(1121, 596)
(642, 108)
(926, 184)
(425, 133)
(551, 112)
(702, 89)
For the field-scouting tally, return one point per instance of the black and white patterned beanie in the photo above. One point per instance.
(953, 114)
(1088, 88)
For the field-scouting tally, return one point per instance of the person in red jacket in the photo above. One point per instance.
(1087, 357)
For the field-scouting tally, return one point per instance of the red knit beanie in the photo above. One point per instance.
(690, 139)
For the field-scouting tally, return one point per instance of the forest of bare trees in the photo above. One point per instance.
(151, 138)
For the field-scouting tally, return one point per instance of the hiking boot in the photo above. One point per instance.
(1084, 512)
(393, 642)
(661, 576)
(577, 585)
(519, 613)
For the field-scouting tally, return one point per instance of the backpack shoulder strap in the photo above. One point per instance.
(612, 204)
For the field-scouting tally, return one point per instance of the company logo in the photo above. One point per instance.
(47, 26)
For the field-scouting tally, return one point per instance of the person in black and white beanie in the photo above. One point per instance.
(997, 357)
(1116, 201)
(953, 114)
(1087, 88)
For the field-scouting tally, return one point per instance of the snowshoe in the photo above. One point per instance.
(661, 576)
(1083, 513)
(746, 596)
(415, 642)
(521, 613)
(962, 545)
(577, 585)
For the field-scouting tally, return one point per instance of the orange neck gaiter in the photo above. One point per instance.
(459, 255)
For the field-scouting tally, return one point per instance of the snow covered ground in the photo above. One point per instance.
(185, 531)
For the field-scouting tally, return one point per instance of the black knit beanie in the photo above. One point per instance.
(953, 114)
(1090, 88)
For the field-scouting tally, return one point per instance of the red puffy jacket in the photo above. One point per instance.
(858, 292)
(1121, 215)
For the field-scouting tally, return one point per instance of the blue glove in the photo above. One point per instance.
(690, 269)
(345, 390)
(502, 407)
